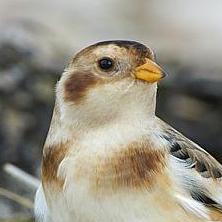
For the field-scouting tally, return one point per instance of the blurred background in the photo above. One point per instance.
(37, 39)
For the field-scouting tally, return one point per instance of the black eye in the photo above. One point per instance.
(105, 64)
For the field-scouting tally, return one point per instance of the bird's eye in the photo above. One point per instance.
(106, 64)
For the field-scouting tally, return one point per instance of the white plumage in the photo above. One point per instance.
(108, 158)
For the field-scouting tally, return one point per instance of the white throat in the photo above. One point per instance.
(104, 109)
(108, 104)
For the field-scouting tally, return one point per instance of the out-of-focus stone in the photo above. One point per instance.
(5, 210)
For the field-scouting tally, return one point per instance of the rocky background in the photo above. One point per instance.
(38, 37)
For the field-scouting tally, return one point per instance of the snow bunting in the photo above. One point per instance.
(109, 158)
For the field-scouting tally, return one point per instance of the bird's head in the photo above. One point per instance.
(108, 80)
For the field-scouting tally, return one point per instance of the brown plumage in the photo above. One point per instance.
(134, 167)
(107, 157)
(51, 161)
(77, 84)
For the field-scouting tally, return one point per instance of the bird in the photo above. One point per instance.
(108, 157)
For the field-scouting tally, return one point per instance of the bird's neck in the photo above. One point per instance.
(130, 112)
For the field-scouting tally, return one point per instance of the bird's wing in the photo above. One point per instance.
(197, 171)
(41, 209)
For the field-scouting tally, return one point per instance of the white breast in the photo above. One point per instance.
(76, 203)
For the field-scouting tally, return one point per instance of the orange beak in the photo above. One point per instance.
(150, 72)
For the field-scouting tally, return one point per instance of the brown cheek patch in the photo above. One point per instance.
(77, 86)
(50, 163)
(134, 167)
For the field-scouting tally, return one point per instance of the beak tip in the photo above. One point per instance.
(164, 74)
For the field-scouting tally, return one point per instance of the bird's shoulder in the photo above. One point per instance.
(187, 151)
(198, 173)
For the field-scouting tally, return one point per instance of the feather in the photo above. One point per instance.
(201, 176)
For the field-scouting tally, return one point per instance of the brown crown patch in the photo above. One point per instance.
(138, 166)
(77, 86)
(50, 163)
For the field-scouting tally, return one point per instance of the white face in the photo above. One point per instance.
(100, 85)
(122, 62)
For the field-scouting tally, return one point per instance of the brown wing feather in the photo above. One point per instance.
(215, 215)
(184, 149)
(201, 162)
